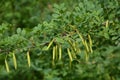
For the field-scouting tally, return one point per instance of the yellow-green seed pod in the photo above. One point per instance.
(53, 56)
(28, 58)
(70, 42)
(81, 37)
(72, 45)
(90, 43)
(106, 24)
(7, 66)
(86, 56)
(14, 60)
(54, 53)
(86, 45)
(50, 44)
(90, 40)
(69, 54)
(91, 50)
(60, 52)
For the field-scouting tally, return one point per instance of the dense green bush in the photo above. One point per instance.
(77, 43)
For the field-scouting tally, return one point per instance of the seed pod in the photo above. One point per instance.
(72, 45)
(90, 40)
(69, 53)
(7, 66)
(14, 60)
(106, 24)
(28, 58)
(49, 44)
(56, 52)
(83, 41)
(90, 43)
(86, 56)
(86, 45)
(60, 53)
(53, 57)
(53, 53)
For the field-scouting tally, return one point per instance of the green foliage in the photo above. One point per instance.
(78, 43)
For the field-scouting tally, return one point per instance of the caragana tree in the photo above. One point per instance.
(78, 43)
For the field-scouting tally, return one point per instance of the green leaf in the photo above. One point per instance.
(19, 30)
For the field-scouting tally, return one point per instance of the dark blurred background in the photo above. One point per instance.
(26, 13)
